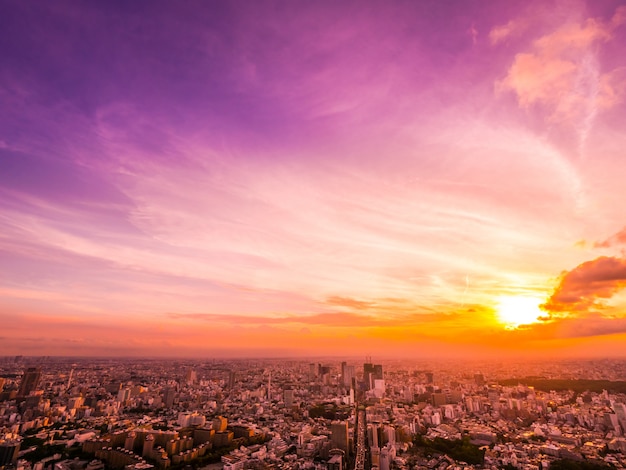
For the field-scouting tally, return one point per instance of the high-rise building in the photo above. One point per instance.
(620, 412)
(168, 397)
(347, 374)
(371, 373)
(30, 381)
(384, 462)
(148, 446)
(288, 397)
(9, 449)
(191, 376)
(129, 443)
(123, 395)
(219, 424)
(339, 435)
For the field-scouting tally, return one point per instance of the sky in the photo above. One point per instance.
(393, 179)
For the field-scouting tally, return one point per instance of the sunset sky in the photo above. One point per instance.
(417, 178)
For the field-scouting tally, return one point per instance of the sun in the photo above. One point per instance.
(514, 311)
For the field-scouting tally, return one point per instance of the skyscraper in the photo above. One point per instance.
(339, 436)
(9, 449)
(168, 397)
(30, 381)
(372, 372)
(347, 374)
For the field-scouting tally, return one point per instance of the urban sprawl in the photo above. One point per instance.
(319, 414)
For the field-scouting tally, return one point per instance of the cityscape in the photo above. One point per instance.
(141, 414)
(312, 235)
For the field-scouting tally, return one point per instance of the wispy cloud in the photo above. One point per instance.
(561, 75)
(614, 240)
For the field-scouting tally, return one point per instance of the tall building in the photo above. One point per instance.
(168, 397)
(129, 443)
(620, 412)
(339, 435)
(219, 424)
(30, 381)
(288, 397)
(347, 374)
(385, 459)
(148, 446)
(9, 448)
(123, 395)
(371, 373)
(191, 377)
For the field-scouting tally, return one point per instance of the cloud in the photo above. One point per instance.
(473, 32)
(592, 325)
(561, 74)
(334, 319)
(503, 32)
(339, 319)
(586, 287)
(348, 302)
(617, 239)
(588, 325)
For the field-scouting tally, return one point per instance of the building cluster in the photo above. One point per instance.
(96, 414)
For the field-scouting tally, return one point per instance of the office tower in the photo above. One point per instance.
(336, 460)
(371, 373)
(347, 374)
(339, 435)
(191, 377)
(148, 446)
(479, 379)
(384, 462)
(378, 372)
(30, 381)
(288, 397)
(9, 449)
(219, 424)
(168, 397)
(620, 412)
(372, 435)
(368, 370)
(429, 377)
(123, 395)
(129, 443)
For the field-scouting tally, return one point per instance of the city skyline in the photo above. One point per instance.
(313, 179)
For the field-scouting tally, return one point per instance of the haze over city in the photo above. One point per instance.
(432, 179)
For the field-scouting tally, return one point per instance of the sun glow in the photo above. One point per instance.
(515, 311)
